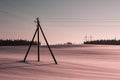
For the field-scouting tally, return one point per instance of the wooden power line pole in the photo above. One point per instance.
(38, 29)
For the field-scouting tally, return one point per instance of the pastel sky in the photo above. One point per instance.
(62, 20)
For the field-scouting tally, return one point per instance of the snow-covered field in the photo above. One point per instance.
(78, 63)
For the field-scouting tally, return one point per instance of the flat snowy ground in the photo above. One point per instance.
(80, 63)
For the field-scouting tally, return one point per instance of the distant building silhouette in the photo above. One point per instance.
(104, 42)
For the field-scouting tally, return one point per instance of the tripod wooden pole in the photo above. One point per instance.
(37, 32)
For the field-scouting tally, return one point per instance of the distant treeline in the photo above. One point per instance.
(104, 42)
(18, 42)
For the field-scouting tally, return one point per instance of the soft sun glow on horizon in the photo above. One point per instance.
(62, 20)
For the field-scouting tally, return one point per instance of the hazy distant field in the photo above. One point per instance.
(77, 63)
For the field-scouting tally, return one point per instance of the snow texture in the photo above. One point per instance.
(76, 63)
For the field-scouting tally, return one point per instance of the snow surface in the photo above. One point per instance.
(78, 63)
